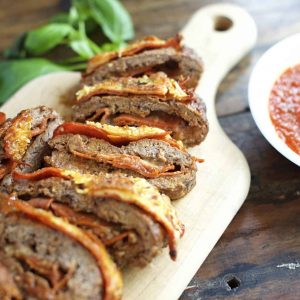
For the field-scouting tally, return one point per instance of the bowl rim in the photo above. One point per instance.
(264, 122)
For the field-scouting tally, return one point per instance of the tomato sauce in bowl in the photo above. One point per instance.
(284, 107)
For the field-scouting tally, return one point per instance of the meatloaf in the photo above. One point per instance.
(143, 151)
(154, 100)
(145, 56)
(43, 257)
(133, 220)
(23, 141)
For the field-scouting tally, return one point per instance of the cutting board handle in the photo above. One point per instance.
(221, 34)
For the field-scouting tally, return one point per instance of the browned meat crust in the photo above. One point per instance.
(151, 150)
(144, 235)
(181, 64)
(23, 141)
(45, 264)
(44, 257)
(193, 114)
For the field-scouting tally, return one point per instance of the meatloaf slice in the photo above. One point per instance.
(148, 55)
(43, 257)
(23, 141)
(154, 100)
(128, 214)
(171, 169)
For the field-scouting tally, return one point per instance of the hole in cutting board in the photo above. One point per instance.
(222, 23)
(233, 283)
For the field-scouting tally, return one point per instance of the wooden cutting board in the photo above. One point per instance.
(222, 181)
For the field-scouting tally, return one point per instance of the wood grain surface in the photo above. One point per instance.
(258, 257)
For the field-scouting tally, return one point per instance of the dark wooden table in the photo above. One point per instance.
(258, 256)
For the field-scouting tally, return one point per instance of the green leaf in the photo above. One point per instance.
(80, 43)
(82, 48)
(16, 50)
(73, 16)
(72, 60)
(66, 28)
(113, 18)
(70, 29)
(79, 11)
(15, 73)
(60, 18)
(43, 39)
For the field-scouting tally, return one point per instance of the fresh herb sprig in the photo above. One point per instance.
(24, 58)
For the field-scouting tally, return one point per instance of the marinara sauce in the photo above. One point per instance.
(284, 107)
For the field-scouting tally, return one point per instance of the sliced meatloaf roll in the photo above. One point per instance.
(133, 220)
(146, 152)
(23, 141)
(148, 55)
(44, 257)
(154, 100)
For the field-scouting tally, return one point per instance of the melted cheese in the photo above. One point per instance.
(128, 131)
(146, 197)
(136, 191)
(18, 136)
(78, 178)
(157, 84)
(137, 133)
(113, 134)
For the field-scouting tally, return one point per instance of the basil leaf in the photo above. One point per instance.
(15, 73)
(68, 29)
(82, 48)
(80, 43)
(41, 40)
(73, 16)
(60, 18)
(79, 11)
(113, 18)
(16, 50)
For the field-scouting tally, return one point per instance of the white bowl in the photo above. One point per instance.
(270, 66)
